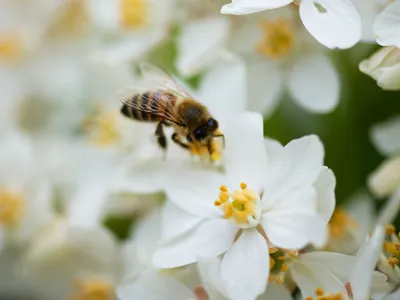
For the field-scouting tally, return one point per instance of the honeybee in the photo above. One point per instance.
(167, 103)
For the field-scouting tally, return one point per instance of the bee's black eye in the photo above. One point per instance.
(198, 134)
(212, 123)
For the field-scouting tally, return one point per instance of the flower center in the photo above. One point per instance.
(11, 207)
(277, 38)
(341, 223)
(241, 206)
(101, 127)
(133, 13)
(279, 260)
(92, 289)
(320, 295)
(72, 21)
(10, 48)
(392, 246)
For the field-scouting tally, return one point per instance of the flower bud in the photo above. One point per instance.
(386, 179)
(384, 67)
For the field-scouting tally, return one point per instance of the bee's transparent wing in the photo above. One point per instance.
(155, 75)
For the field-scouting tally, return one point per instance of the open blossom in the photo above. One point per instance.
(387, 25)
(335, 25)
(282, 201)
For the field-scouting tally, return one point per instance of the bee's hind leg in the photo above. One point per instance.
(161, 139)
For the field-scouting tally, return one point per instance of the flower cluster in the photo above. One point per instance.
(97, 204)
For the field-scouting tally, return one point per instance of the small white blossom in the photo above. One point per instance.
(387, 25)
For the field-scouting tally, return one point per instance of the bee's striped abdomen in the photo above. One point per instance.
(147, 108)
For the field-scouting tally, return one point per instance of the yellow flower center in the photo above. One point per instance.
(72, 21)
(216, 147)
(392, 246)
(134, 13)
(278, 38)
(93, 289)
(279, 263)
(11, 207)
(320, 295)
(341, 223)
(101, 127)
(10, 48)
(241, 206)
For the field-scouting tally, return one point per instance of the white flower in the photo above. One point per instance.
(335, 25)
(25, 207)
(134, 25)
(322, 273)
(387, 25)
(143, 281)
(385, 136)
(277, 204)
(384, 67)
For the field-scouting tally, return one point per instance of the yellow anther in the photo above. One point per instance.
(223, 196)
(217, 203)
(92, 289)
(281, 258)
(228, 210)
(11, 207)
(273, 250)
(292, 253)
(319, 291)
(223, 188)
(393, 261)
(277, 39)
(134, 13)
(284, 268)
(271, 263)
(392, 248)
(390, 229)
(340, 223)
(243, 185)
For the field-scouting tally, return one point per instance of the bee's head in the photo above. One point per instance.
(202, 133)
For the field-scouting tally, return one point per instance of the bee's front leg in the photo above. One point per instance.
(176, 139)
(161, 139)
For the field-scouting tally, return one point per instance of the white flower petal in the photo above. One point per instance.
(307, 88)
(199, 44)
(389, 212)
(223, 88)
(387, 26)
(325, 188)
(385, 180)
(385, 136)
(265, 84)
(245, 155)
(154, 286)
(297, 165)
(273, 147)
(314, 275)
(293, 230)
(335, 24)
(245, 266)
(210, 274)
(276, 291)
(209, 239)
(242, 7)
(201, 189)
(176, 221)
(361, 277)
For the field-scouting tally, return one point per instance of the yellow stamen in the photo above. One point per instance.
(11, 207)
(319, 291)
(240, 205)
(392, 248)
(390, 229)
(134, 13)
(271, 263)
(277, 40)
(93, 289)
(341, 223)
(10, 48)
(273, 250)
(393, 261)
(101, 127)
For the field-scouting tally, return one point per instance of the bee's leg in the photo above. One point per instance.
(162, 141)
(176, 139)
(209, 147)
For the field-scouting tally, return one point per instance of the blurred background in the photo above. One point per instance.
(62, 63)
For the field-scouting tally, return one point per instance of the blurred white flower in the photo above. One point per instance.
(387, 25)
(130, 27)
(142, 280)
(277, 208)
(384, 67)
(385, 136)
(335, 25)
